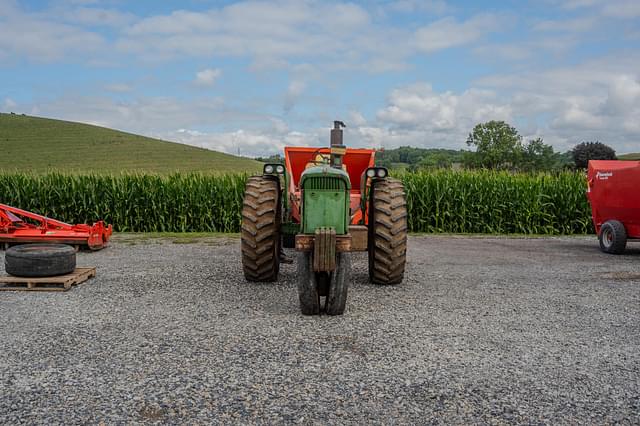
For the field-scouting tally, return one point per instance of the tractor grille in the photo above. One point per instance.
(324, 183)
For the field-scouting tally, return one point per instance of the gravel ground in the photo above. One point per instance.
(482, 330)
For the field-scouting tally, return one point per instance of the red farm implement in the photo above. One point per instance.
(615, 202)
(20, 227)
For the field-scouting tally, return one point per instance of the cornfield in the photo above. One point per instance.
(497, 202)
(139, 203)
(443, 201)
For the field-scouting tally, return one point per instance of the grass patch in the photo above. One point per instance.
(209, 238)
(631, 156)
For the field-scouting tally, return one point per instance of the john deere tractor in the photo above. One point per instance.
(325, 203)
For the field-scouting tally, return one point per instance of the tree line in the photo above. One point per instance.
(494, 145)
(497, 145)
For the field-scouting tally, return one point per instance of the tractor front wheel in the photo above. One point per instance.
(260, 236)
(310, 285)
(387, 231)
(307, 285)
(613, 237)
(337, 297)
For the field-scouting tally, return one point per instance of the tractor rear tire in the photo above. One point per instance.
(307, 285)
(387, 231)
(339, 286)
(40, 260)
(260, 234)
(612, 237)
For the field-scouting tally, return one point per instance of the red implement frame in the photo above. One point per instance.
(19, 226)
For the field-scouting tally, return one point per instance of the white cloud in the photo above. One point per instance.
(623, 94)
(356, 119)
(557, 45)
(253, 143)
(295, 89)
(144, 115)
(581, 24)
(93, 16)
(8, 104)
(80, 2)
(448, 32)
(279, 125)
(576, 4)
(419, 107)
(273, 34)
(622, 9)
(118, 87)
(625, 9)
(595, 100)
(509, 52)
(207, 77)
(194, 133)
(41, 39)
(436, 7)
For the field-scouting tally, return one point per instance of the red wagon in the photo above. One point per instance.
(614, 195)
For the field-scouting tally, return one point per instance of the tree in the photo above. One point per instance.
(436, 160)
(498, 145)
(585, 151)
(273, 159)
(538, 156)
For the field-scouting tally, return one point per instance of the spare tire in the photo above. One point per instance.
(40, 260)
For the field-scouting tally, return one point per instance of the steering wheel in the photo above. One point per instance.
(325, 157)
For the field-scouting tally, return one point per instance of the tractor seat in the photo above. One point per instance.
(319, 158)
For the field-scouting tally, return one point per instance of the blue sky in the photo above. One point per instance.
(253, 76)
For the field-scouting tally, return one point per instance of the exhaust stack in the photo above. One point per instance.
(338, 149)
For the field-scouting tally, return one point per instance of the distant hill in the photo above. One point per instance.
(41, 144)
(632, 156)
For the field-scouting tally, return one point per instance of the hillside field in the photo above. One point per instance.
(632, 156)
(33, 144)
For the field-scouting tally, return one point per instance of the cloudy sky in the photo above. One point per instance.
(254, 76)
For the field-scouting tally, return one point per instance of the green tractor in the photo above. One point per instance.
(325, 203)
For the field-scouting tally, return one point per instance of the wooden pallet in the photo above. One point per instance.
(59, 283)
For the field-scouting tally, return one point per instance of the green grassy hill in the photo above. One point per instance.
(41, 144)
(632, 156)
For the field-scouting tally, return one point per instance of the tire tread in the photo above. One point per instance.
(260, 230)
(388, 234)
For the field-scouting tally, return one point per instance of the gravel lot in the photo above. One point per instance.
(482, 330)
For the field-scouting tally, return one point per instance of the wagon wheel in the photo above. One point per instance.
(260, 233)
(612, 237)
(387, 231)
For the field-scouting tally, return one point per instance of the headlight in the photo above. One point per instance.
(371, 173)
(280, 169)
(381, 173)
(268, 169)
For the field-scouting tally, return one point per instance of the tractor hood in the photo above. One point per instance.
(325, 170)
